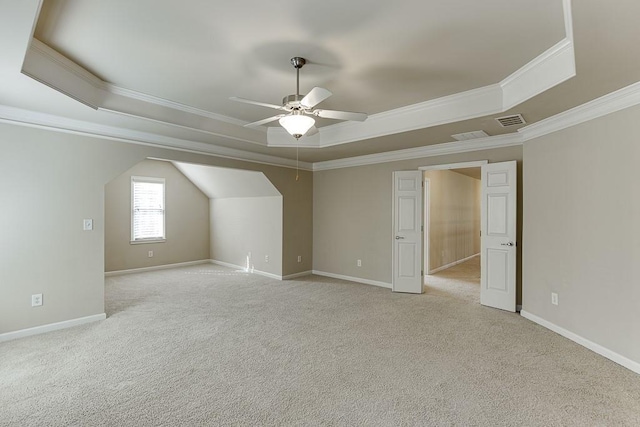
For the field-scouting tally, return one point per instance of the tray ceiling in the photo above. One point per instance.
(162, 72)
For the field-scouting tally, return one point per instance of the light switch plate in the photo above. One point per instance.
(87, 224)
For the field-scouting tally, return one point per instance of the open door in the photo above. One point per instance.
(498, 228)
(407, 232)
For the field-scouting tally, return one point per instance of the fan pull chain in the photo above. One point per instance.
(297, 176)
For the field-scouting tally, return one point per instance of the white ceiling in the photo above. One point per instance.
(374, 56)
(162, 71)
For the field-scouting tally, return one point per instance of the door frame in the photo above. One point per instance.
(425, 214)
(425, 230)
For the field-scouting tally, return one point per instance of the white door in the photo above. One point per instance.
(498, 255)
(407, 232)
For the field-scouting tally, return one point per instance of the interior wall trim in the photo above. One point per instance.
(597, 348)
(610, 103)
(244, 270)
(153, 268)
(548, 69)
(36, 330)
(452, 264)
(21, 117)
(296, 275)
(450, 166)
(455, 147)
(352, 279)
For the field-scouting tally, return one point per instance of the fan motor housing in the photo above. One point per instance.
(292, 101)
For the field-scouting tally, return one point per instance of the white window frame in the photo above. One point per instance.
(154, 180)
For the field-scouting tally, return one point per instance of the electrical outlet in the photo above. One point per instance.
(36, 300)
(359, 263)
(554, 298)
(266, 258)
(87, 224)
(299, 258)
(150, 254)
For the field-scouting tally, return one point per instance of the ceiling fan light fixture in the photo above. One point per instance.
(297, 124)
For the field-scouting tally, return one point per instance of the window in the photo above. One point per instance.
(147, 209)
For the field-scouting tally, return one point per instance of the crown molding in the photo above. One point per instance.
(460, 106)
(45, 52)
(128, 93)
(552, 67)
(189, 128)
(18, 116)
(615, 101)
(568, 19)
(46, 65)
(55, 70)
(456, 147)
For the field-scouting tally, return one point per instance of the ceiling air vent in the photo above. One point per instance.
(470, 135)
(513, 120)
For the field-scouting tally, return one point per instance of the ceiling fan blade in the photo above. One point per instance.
(315, 97)
(264, 121)
(341, 115)
(261, 104)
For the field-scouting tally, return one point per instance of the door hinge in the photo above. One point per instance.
(422, 228)
(422, 272)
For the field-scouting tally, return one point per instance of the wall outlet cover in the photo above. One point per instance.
(36, 300)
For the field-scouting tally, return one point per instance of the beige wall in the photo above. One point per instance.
(50, 181)
(244, 225)
(582, 230)
(454, 217)
(186, 220)
(352, 214)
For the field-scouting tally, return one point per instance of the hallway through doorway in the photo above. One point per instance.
(461, 281)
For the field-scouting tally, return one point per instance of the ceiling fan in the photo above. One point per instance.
(297, 120)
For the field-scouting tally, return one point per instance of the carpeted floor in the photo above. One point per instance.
(207, 346)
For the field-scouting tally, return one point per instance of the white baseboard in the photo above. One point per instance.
(243, 268)
(352, 279)
(155, 267)
(51, 327)
(603, 351)
(296, 275)
(451, 264)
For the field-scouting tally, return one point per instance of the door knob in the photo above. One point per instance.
(399, 237)
(508, 244)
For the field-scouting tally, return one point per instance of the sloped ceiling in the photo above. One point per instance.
(224, 183)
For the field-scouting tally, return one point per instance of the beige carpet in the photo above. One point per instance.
(205, 345)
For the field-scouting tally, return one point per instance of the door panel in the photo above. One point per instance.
(498, 254)
(407, 232)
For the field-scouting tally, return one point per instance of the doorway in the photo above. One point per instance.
(498, 227)
(452, 216)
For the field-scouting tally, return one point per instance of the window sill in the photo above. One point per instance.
(144, 242)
